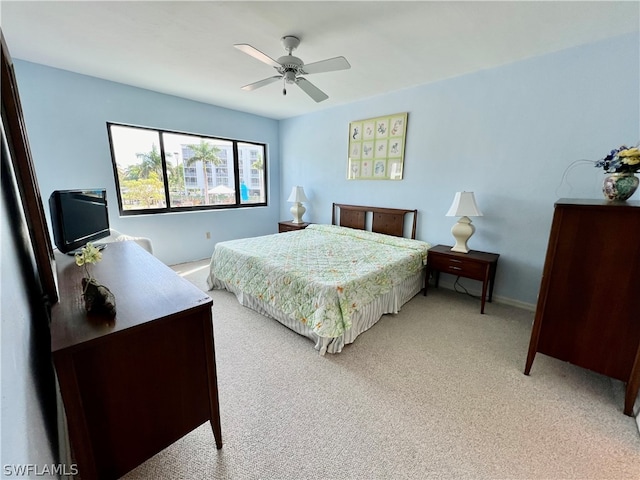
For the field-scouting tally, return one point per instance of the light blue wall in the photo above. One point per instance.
(508, 134)
(66, 117)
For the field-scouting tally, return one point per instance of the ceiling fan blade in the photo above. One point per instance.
(257, 54)
(261, 83)
(311, 90)
(329, 65)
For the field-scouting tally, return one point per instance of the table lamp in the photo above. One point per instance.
(464, 206)
(297, 196)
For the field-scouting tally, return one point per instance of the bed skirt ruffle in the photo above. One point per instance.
(361, 320)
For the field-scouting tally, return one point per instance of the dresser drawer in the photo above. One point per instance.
(457, 266)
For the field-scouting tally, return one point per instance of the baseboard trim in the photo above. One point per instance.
(449, 285)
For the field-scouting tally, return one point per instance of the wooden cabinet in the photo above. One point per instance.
(474, 264)
(588, 310)
(132, 385)
(291, 227)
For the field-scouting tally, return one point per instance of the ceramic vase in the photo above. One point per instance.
(619, 186)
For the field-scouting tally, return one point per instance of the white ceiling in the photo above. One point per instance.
(186, 48)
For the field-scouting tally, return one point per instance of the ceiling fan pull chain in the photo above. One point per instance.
(284, 86)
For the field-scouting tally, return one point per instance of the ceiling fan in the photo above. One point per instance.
(290, 69)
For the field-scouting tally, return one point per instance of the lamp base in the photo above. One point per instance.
(462, 232)
(297, 211)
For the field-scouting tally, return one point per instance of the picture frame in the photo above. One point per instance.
(376, 148)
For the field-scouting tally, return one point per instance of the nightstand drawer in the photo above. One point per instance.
(457, 266)
(291, 227)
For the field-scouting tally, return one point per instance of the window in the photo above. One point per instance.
(161, 171)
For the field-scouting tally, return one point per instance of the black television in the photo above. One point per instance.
(78, 217)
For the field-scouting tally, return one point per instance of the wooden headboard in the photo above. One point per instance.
(389, 221)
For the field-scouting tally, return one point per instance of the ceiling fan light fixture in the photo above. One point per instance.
(290, 76)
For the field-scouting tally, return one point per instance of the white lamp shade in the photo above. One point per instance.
(297, 195)
(464, 205)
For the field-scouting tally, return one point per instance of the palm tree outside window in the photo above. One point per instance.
(158, 171)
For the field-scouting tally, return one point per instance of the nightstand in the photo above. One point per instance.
(474, 265)
(289, 226)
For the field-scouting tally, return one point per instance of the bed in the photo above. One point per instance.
(329, 283)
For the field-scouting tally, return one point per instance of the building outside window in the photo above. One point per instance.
(201, 172)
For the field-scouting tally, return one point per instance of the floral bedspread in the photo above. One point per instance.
(319, 275)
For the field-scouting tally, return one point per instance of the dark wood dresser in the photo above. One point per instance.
(135, 384)
(588, 310)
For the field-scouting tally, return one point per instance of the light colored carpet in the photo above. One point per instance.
(436, 391)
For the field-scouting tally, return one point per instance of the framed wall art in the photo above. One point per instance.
(376, 148)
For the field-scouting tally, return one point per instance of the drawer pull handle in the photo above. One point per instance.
(453, 260)
(451, 267)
